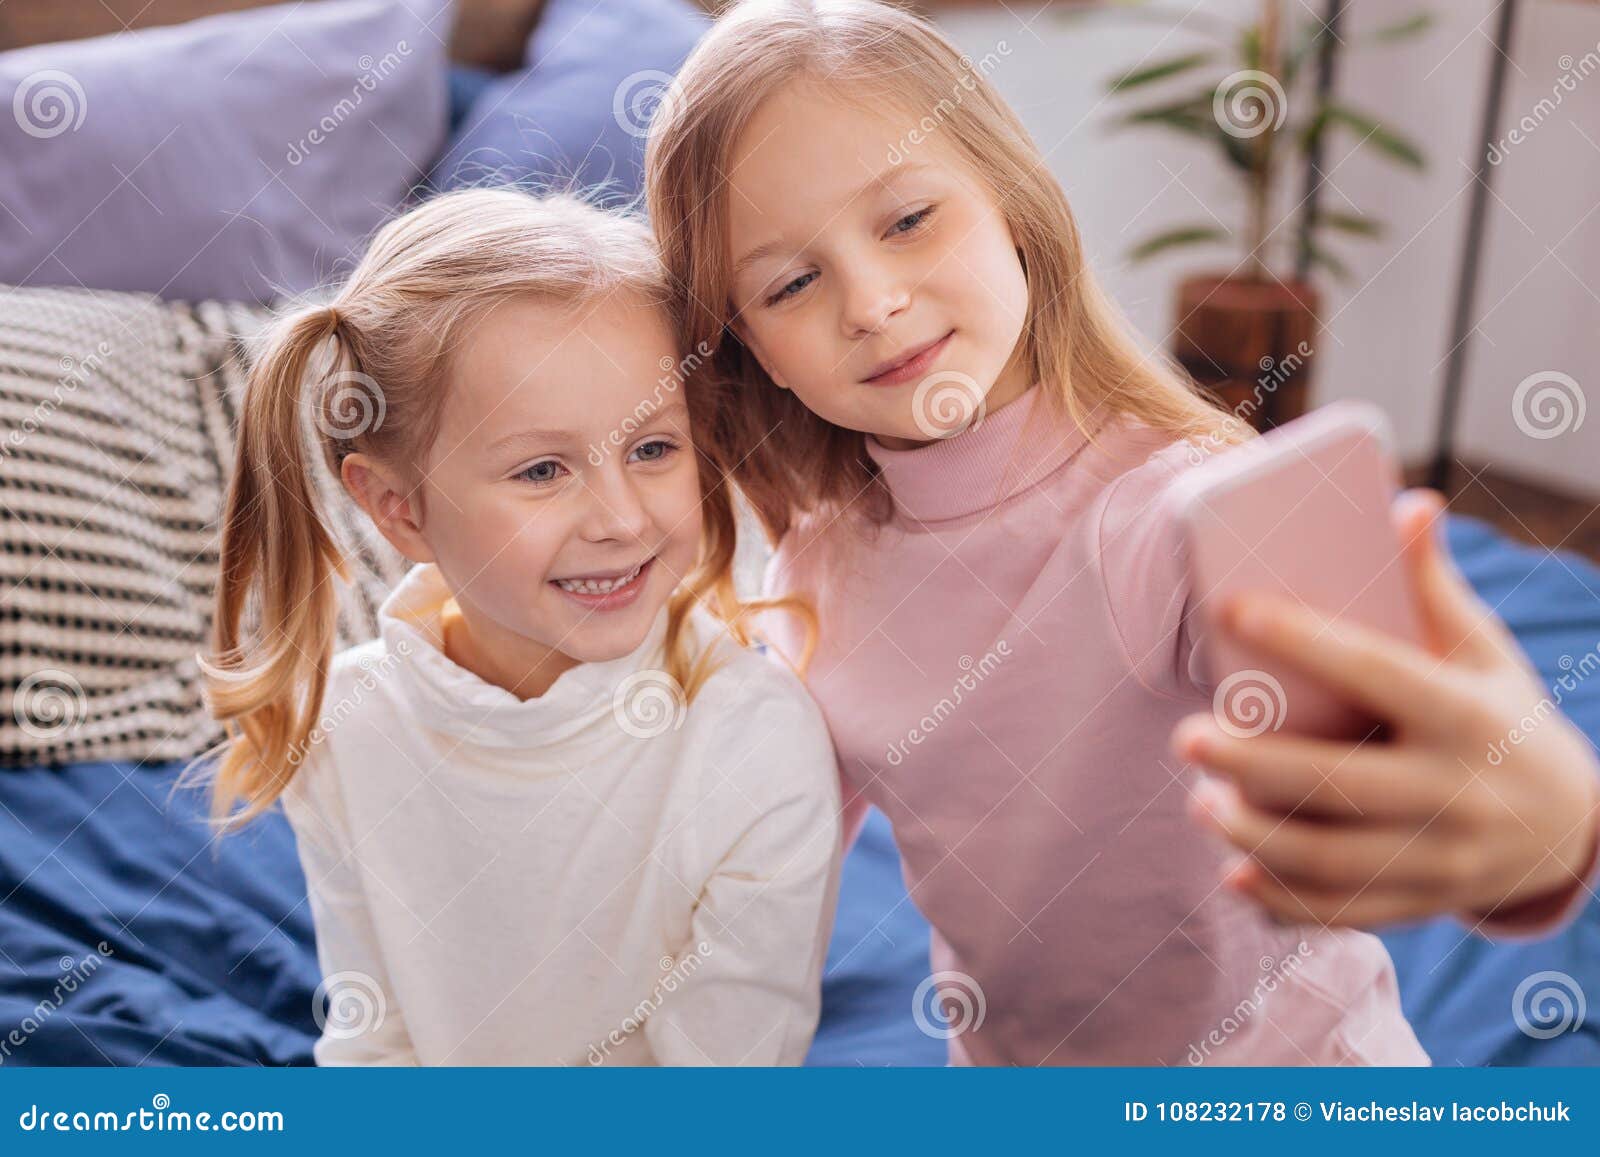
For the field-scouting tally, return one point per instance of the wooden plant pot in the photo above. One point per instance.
(1250, 342)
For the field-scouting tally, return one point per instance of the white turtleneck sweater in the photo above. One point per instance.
(588, 877)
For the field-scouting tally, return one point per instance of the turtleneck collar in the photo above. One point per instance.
(1009, 451)
(448, 697)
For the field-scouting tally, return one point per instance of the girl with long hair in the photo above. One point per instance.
(968, 465)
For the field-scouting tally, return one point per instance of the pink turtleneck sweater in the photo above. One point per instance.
(1001, 667)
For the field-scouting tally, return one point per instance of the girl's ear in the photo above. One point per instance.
(742, 332)
(393, 508)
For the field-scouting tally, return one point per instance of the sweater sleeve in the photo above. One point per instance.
(1144, 564)
(1543, 915)
(786, 640)
(768, 823)
(362, 1021)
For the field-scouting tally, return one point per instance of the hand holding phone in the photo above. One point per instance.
(1365, 620)
(1303, 512)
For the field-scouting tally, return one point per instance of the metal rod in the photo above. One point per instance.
(1472, 256)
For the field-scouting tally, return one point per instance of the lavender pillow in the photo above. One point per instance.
(577, 115)
(235, 157)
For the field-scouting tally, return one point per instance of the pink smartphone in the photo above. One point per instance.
(1302, 512)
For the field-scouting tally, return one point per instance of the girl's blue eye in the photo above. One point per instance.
(911, 221)
(653, 451)
(792, 288)
(543, 473)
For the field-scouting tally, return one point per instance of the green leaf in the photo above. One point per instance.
(1358, 224)
(1241, 152)
(1250, 46)
(1312, 134)
(1177, 238)
(1172, 118)
(1321, 258)
(1403, 29)
(1196, 116)
(1161, 70)
(1178, 122)
(1191, 115)
(1371, 131)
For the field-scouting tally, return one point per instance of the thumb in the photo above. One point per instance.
(1455, 622)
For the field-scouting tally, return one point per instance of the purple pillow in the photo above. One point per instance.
(577, 115)
(236, 157)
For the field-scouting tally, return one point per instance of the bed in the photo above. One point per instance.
(181, 950)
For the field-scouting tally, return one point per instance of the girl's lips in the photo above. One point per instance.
(612, 600)
(913, 367)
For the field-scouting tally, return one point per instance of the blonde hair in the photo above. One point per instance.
(1078, 346)
(391, 329)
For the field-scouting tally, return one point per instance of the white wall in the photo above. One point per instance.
(1389, 326)
(1540, 306)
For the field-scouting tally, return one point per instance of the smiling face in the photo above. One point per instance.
(561, 497)
(864, 269)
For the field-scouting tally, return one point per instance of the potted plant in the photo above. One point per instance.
(1249, 333)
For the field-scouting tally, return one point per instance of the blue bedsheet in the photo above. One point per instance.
(1460, 990)
(208, 953)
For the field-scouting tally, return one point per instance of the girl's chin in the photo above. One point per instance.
(593, 639)
(887, 427)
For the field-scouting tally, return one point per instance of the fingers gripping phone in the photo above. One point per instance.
(1302, 512)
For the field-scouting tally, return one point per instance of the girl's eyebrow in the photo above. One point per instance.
(530, 437)
(672, 410)
(535, 437)
(757, 254)
(879, 179)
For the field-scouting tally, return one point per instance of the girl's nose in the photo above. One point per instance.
(617, 511)
(872, 297)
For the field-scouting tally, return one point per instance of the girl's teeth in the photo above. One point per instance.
(599, 586)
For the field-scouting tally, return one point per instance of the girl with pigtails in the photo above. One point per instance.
(556, 813)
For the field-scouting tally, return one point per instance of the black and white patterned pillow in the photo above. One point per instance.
(117, 421)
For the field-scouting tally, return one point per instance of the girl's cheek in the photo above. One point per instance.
(678, 508)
